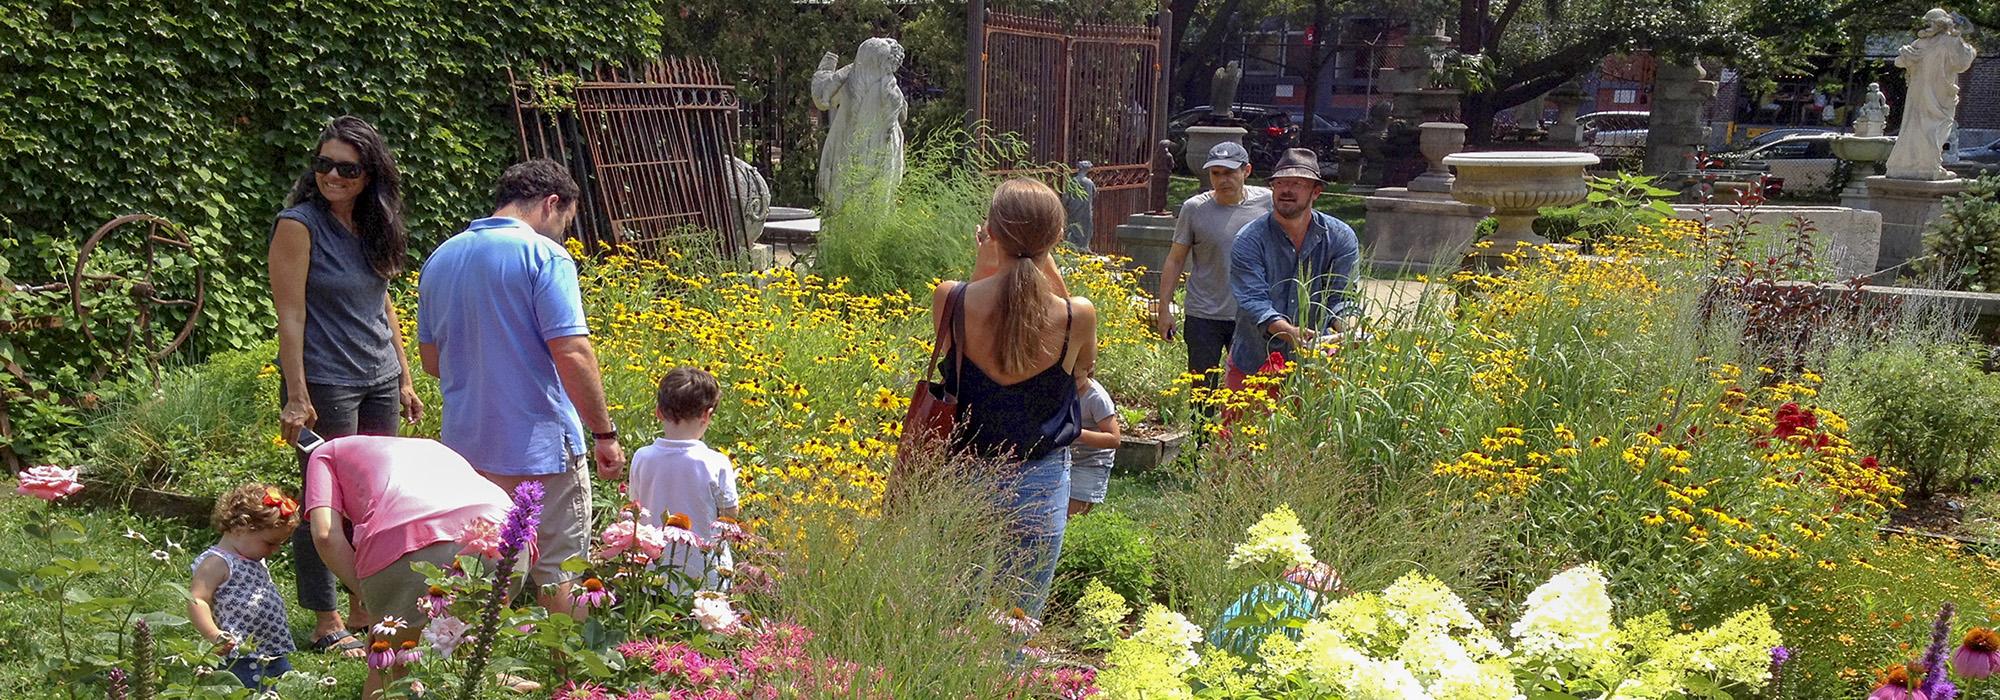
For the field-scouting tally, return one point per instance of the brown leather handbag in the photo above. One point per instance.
(934, 407)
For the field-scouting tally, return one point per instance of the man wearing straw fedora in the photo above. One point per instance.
(1292, 273)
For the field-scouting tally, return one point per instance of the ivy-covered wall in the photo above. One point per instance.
(203, 112)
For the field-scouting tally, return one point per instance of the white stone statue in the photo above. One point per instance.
(863, 150)
(1930, 108)
(1874, 113)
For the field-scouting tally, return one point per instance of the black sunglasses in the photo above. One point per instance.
(324, 165)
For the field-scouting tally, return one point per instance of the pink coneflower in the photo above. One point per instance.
(1979, 655)
(435, 602)
(674, 535)
(408, 653)
(727, 529)
(593, 594)
(381, 654)
(1899, 682)
(388, 626)
(1017, 622)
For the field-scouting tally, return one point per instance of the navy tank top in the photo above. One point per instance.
(348, 341)
(1020, 422)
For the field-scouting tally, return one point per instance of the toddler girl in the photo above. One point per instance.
(233, 602)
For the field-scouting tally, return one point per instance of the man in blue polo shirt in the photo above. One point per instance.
(501, 324)
(1291, 271)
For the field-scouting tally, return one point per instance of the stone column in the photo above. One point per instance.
(1675, 129)
(1564, 134)
(1413, 72)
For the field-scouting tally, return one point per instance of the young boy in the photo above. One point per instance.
(680, 474)
(1090, 458)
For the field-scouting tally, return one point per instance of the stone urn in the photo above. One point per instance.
(1516, 185)
(1439, 139)
(1202, 138)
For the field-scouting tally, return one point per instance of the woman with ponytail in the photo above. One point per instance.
(1025, 350)
(341, 362)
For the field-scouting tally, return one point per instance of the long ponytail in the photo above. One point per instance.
(1026, 219)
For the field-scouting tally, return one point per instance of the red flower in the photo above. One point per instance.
(1274, 363)
(1870, 464)
(1792, 420)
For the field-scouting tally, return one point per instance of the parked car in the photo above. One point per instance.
(1615, 133)
(1778, 133)
(1798, 163)
(1271, 131)
(1989, 153)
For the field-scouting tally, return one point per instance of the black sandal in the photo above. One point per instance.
(338, 641)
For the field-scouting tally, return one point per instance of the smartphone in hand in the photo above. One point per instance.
(308, 441)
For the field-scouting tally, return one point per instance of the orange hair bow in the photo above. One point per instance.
(274, 498)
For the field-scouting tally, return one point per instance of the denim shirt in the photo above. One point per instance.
(1264, 275)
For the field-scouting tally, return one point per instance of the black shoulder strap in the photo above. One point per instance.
(956, 309)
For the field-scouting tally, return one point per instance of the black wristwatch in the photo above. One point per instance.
(611, 434)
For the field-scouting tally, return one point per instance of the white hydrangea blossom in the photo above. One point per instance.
(1277, 538)
(1568, 618)
(1167, 629)
(1420, 602)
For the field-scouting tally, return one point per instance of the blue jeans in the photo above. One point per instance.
(254, 672)
(1035, 500)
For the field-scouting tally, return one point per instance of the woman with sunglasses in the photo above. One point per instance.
(341, 362)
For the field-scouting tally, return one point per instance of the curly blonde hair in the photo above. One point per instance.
(253, 507)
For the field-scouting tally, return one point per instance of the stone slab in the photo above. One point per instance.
(1908, 207)
(1418, 231)
(790, 231)
(1851, 238)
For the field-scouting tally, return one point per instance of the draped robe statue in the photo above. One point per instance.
(1930, 109)
(862, 155)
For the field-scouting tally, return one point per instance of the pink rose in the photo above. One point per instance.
(645, 542)
(481, 537)
(48, 482)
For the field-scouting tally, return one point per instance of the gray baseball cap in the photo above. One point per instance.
(1228, 154)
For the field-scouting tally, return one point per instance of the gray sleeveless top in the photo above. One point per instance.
(348, 341)
(248, 605)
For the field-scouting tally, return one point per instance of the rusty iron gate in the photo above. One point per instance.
(1077, 92)
(651, 145)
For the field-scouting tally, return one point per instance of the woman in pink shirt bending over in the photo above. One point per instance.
(408, 499)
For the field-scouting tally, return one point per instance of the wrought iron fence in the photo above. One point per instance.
(652, 146)
(1079, 92)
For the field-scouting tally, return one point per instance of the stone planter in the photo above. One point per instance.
(1439, 139)
(1138, 455)
(1202, 138)
(1517, 185)
(1146, 239)
(1867, 154)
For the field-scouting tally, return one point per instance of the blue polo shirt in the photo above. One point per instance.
(490, 299)
(1307, 285)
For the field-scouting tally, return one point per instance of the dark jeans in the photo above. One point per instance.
(1207, 343)
(342, 410)
(255, 672)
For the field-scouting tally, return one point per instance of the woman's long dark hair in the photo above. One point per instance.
(378, 211)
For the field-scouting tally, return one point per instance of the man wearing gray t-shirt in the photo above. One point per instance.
(1203, 236)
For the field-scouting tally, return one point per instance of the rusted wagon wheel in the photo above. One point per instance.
(137, 279)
